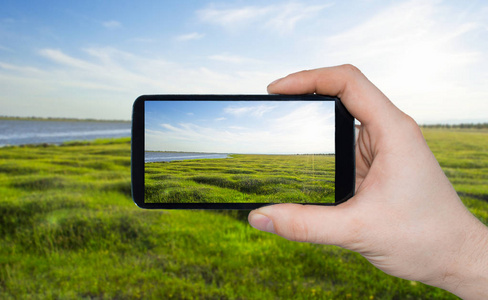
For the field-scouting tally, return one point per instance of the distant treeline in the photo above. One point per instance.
(458, 126)
(58, 119)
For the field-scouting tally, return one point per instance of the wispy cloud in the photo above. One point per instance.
(408, 44)
(254, 110)
(142, 40)
(112, 24)
(279, 17)
(230, 17)
(59, 57)
(21, 70)
(285, 17)
(234, 59)
(190, 36)
(118, 77)
(409, 41)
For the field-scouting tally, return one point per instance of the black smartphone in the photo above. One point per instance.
(241, 151)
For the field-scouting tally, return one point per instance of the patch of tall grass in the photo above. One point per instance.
(69, 230)
(463, 155)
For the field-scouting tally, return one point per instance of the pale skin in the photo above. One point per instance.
(405, 218)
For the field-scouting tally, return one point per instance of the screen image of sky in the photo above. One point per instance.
(251, 127)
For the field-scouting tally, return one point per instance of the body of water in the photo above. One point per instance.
(21, 132)
(150, 156)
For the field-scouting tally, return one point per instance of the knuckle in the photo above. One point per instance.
(302, 75)
(351, 69)
(294, 226)
(412, 125)
(411, 122)
(297, 231)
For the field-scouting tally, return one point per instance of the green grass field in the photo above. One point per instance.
(69, 230)
(242, 179)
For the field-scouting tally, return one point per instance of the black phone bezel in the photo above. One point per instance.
(344, 148)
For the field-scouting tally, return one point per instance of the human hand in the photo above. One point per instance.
(406, 217)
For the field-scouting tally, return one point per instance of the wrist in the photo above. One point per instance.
(467, 274)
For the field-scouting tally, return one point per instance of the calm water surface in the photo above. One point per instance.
(20, 132)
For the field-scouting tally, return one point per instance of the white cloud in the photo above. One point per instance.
(229, 17)
(238, 128)
(234, 59)
(170, 127)
(280, 18)
(190, 36)
(414, 55)
(115, 69)
(112, 24)
(21, 69)
(59, 57)
(110, 78)
(142, 40)
(285, 17)
(254, 110)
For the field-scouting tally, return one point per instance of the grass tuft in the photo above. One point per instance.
(40, 183)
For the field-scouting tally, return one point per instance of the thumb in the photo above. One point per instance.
(305, 223)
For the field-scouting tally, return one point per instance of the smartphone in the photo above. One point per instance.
(241, 151)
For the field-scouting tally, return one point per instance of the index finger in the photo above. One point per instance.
(361, 97)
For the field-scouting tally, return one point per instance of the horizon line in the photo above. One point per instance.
(33, 118)
(230, 153)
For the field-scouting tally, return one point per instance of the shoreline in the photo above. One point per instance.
(96, 141)
(181, 156)
(35, 132)
(56, 119)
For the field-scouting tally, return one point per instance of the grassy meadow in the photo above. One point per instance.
(242, 178)
(69, 230)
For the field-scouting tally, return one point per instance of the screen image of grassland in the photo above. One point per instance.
(274, 152)
(242, 178)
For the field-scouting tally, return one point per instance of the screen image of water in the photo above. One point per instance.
(155, 156)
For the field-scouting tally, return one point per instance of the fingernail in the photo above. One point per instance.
(261, 222)
(274, 82)
(270, 87)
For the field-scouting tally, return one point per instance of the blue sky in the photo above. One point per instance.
(91, 59)
(258, 127)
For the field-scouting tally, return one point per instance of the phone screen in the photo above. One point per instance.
(239, 152)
